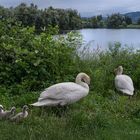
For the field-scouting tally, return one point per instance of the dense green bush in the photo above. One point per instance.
(35, 61)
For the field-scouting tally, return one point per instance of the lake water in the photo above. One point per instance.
(102, 37)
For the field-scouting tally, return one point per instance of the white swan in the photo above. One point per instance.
(20, 116)
(123, 82)
(65, 93)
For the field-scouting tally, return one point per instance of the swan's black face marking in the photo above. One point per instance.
(13, 110)
(86, 80)
(83, 80)
(1, 107)
(119, 70)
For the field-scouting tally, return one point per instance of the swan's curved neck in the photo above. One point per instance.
(12, 111)
(119, 72)
(83, 84)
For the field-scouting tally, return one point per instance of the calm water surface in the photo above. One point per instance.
(102, 37)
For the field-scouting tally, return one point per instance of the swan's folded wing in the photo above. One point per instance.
(122, 84)
(128, 79)
(59, 90)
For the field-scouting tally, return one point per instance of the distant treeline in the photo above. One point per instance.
(41, 18)
(66, 19)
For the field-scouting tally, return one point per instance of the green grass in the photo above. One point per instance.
(95, 117)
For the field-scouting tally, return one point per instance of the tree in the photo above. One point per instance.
(99, 17)
(128, 20)
(32, 16)
(115, 21)
(138, 22)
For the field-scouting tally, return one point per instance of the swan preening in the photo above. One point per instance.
(20, 116)
(65, 93)
(123, 82)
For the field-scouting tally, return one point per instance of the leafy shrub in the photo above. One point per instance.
(35, 61)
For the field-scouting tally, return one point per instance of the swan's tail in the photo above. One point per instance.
(128, 92)
(38, 104)
(46, 103)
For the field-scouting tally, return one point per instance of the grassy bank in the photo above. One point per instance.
(31, 62)
(95, 117)
(133, 26)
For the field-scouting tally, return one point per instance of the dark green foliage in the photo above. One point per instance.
(128, 20)
(66, 19)
(35, 61)
(93, 22)
(27, 15)
(138, 21)
(116, 21)
(32, 16)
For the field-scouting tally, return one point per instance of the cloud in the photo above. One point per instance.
(94, 6)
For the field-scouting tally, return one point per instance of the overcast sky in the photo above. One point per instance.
(83, 6)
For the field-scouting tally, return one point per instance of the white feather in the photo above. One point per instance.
(124, 84)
